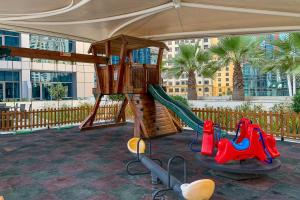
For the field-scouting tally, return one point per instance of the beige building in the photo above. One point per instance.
(178, 86)
(219, 86)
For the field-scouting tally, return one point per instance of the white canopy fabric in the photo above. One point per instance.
(94, 20)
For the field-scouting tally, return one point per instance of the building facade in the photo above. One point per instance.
(23, 79)
(220, 85)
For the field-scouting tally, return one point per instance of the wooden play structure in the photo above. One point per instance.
(131, 79)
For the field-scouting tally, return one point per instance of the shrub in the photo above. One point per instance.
(248, 107)
(181, 99)
(116, 97)
(281, 108)
(296, 103)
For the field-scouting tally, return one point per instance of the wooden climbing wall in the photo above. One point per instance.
(152, 119)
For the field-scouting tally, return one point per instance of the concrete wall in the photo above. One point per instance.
(266, 102)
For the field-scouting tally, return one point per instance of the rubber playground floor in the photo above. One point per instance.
(72, 165)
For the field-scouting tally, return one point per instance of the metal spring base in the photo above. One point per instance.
(159, 194)
(137, 161)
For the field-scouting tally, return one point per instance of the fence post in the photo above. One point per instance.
(282, 125)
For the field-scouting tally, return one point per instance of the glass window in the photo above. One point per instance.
(205, 39)
(227, 79)
(206, 82)
(227, 74)
(206, 89)
(227, 84)
(177, 83)
(42, 81)
(199, 82)
(200, 89)
(176, 89)
(9, 38)
(171, 90)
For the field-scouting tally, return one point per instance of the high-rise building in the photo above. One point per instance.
(22, 79)
(257, 83)
(220, 85)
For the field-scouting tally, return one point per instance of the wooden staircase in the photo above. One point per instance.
(152, 119)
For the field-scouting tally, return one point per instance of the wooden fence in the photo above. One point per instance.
(284, 125)
(51, 117)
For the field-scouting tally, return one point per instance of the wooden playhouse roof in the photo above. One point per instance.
(117, 41)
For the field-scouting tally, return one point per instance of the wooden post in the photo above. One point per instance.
(158, 63)
(123, 54)
(90, 119)
(121, 113)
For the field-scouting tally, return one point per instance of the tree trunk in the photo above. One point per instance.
(294, 85)
(238, 83)
(288, 77)
(191, 90)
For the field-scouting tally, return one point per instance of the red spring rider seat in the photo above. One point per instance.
(207, 147)
(252, 146)
(242, 129)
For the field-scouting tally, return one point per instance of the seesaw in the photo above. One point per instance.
(197, 190)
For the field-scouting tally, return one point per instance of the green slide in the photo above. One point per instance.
(181, 110)
(183, 107)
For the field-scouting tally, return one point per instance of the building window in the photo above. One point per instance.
(177, 83)
(227, 79)
(171, 90)
(176, 42)
(176, 49)
(205, 39)
(206, 89)
(182, 89)
(219, 84)
(42, 81)
(205, 46)
(9, 38)
(169, 42)
(9, 85)
(219, 74)
(200, 89)
(227, 84)
(227, 68)
(192, 40)
(219, 79)
(183, 82)
(170, 83)
(176, 89)
(51, 43)
(220, 89)
(227, 74)
(206, 82)
(199, 82)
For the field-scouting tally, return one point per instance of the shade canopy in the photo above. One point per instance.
(94, 20)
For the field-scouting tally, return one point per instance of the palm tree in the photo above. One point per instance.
(191, 59)
(285, 59)
(236, 50)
